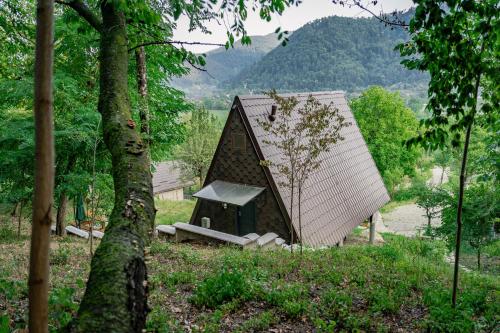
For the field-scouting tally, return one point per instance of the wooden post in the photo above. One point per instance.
(372, 230)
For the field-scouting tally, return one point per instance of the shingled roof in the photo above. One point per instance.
(343, 192)
(167, 177)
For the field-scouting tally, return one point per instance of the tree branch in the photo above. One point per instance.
(81, 8)
(172, 42)
(381, 18)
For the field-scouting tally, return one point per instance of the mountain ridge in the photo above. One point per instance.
(333, 53)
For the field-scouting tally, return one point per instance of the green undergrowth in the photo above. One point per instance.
(404, 285)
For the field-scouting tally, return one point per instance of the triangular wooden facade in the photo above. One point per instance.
(237, 160)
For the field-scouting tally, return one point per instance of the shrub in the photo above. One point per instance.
(176, 278)
(260, 322)
(62, 306)
(160, 321)
(158, 247)
(289, 298)
(221, 288)
(9, 235)
(13, 289)
(60, 256)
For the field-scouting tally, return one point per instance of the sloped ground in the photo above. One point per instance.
(402, 286)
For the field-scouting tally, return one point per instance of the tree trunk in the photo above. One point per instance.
(63, 201)
(15, 211)
(442, 176)
(61, 214)
(115, 299)
(19, 219)
(291, 214)
(44, 169)
(479, 258)
(459, 215)
(300, 217)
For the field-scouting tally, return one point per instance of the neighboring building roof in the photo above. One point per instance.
(343, 192)
(167, 177)
(231, 193)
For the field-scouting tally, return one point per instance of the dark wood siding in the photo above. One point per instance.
(234, 164)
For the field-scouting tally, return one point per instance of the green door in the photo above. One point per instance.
(246, 219)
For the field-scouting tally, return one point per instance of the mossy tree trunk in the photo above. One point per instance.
(115, 299)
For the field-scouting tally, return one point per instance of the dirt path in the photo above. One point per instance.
(409, 220)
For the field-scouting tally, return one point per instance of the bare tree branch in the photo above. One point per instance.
(172, 42)
(81, 8)
(382, 18)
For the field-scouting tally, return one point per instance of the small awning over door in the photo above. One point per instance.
(230, 193)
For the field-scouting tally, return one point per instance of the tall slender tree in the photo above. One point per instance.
(457, 43)
(44, 169)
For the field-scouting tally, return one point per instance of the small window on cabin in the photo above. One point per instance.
(239, 142)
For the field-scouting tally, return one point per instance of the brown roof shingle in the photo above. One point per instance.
(167, 177)
(343, 192)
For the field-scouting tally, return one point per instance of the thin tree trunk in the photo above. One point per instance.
(300, 217)
(142, 87)
(14, 212)
(291, 214)
(63, 201)
(115, 299)
(44, 169)
(479, 259)
(442, 176)
(459, 215)
(93, 201)
(61, 214)
(19, 219)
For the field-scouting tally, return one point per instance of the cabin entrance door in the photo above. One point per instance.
(245, 221)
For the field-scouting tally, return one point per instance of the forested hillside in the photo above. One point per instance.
(332, 53)
(222, 64)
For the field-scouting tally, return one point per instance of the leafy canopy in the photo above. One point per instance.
(386, 123)
(458, 43)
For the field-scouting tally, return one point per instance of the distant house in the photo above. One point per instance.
(240, 196)
(168, 183)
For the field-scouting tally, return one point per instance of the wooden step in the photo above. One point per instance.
(185, 231)
(252, 236)
(279, 241)
(267, 241)
(165, 231)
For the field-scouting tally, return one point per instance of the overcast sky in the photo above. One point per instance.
(292, 19)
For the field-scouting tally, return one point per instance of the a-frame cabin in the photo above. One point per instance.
(241, 196)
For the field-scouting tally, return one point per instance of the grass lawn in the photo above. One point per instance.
(170, 212)
(402, 286)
